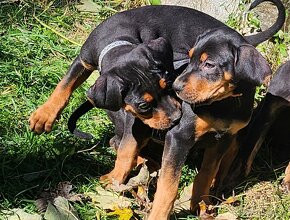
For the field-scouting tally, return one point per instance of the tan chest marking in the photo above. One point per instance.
(206, 124)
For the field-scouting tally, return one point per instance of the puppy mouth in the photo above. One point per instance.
(189, 98)
(199, 99)
(162, 120)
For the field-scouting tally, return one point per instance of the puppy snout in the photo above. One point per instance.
(178, 86)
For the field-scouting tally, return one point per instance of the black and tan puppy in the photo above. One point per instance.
(218, 88)
(250, 139)
(133, 124)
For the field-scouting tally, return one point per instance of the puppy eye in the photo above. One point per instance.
(209, 65)
(144, 106)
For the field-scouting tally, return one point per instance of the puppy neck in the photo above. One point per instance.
(110, 47)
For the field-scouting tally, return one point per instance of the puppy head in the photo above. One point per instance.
(138, 81)
(220, 60)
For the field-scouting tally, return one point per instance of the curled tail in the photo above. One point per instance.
(81, 110)
(265, 35)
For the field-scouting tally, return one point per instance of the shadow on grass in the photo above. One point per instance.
(22, 179)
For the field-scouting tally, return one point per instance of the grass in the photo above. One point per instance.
(33, 60)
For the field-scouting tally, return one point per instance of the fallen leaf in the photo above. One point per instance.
(226, 216)
(124, 214)
(141, 179)
(63, 189)
(19, 214)
(108, 200)
(60, 210)
(88, 6)
(202, 207)
(230, 200)
(142, 192)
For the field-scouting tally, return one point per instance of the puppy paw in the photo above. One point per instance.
(42, 119)
(115, 176)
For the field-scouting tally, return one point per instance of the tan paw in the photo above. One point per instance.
(42, 119)
(116, 176)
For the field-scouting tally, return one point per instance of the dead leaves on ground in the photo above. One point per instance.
(118, 201)
(206, 212)
(124, 202)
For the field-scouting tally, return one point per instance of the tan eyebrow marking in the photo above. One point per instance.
(147, 97)
(162, 83)
(203, 57)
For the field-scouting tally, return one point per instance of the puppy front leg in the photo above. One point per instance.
(44, 117)
(127, 153)
(178, 142)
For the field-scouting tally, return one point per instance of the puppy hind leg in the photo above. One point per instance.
(212, 158)
(178, 142)
(127, 154)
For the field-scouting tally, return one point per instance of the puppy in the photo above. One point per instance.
(250, 139)
(218, 88)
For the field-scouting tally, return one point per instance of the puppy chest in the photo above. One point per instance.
(205, 124)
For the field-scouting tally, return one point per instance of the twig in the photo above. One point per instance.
(25, 190)
(56, 32)
(81, 151)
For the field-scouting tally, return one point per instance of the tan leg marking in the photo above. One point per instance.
(227, 161)
(127, 157)
(204, 178)
(44, 117)
(253, 155)
(165, 195)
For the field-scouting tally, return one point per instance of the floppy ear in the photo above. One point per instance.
(162, 53)
(106, 93)
(251, 66)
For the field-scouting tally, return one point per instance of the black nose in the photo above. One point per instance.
(178, 86)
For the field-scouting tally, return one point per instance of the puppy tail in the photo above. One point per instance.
(81, 110)
(265, 35)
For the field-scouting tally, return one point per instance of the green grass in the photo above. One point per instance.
(33, 59)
